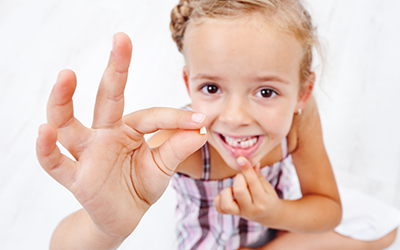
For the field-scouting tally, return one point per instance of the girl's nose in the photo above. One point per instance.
(235, 113)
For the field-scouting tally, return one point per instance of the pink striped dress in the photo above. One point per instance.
(200, 226)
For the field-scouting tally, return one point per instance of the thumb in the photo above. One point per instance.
(178, 147)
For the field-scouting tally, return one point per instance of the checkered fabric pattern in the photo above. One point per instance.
(200, 226)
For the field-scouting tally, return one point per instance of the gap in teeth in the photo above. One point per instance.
(242, 142)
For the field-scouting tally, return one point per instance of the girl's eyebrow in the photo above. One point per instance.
(208, 77)
(256, 79)
(270, 79)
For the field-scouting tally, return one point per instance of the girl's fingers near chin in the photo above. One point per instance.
(257, 169)
(217, 203)
(227, 203)
(252, 178)
(268, 188)
(241, 192)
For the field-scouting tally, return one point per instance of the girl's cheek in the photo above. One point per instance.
(205, 108)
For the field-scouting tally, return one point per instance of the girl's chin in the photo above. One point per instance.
(232, 163)
(230, 157)
(235, 166)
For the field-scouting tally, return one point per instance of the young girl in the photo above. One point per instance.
(263, 167)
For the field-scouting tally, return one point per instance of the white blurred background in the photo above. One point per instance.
(359, 98)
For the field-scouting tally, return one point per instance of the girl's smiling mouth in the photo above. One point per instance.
(240, 145)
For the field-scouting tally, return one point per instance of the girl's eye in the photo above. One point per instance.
(266, 93)
(210, 89)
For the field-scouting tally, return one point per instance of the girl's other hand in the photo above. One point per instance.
(251, 196)
(116, 176)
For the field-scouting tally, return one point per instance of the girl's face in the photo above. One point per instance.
(246, 80)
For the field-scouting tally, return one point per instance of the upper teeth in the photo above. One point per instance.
(242, 142)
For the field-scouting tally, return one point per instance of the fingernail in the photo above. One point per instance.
(241, 161)
(198, 118)
(203, 131)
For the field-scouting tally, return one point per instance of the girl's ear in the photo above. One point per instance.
(305, 92)
(185, 78)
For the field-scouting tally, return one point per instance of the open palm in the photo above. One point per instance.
(116, 176)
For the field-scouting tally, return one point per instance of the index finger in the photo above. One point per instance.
(252, 179)
(110, 96)
(148, 121)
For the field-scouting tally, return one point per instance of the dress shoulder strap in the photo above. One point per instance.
(206, 162)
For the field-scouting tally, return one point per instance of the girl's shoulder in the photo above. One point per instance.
(309, 156)
(191, 166)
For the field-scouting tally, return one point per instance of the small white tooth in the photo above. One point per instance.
(235, 143)
(254, 141)
(251, 143)
(231, 141)
(203, 131)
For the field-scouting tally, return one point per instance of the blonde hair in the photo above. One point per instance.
(288, 16)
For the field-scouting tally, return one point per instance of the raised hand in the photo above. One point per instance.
(251, 196)
(115, 176)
